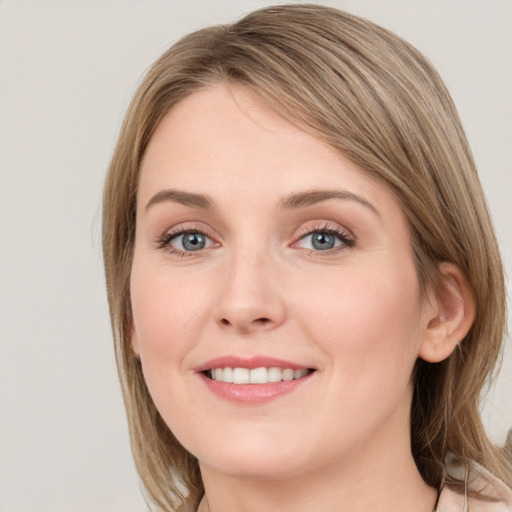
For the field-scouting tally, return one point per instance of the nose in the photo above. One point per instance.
(251, 298)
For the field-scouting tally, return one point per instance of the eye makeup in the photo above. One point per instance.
(320, 238)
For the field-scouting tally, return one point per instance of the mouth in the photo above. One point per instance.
(253, 380)
(260, 375)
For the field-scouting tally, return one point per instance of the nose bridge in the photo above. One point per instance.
(250, 297)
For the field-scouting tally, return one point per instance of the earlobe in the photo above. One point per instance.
(449, 314)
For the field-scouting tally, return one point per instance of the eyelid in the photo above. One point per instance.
(347, 238)
(344, 235)
(163, 240)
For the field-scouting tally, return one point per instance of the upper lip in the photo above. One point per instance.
(249, 363)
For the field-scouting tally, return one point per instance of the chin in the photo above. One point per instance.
(255, 458)
(262, 468)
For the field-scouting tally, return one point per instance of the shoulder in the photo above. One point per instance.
(499, 495)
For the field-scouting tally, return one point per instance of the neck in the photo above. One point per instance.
(376, 473)
(383, 482)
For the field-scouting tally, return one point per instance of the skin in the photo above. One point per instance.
(259, 287)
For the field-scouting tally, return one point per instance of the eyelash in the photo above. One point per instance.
(164, 242)
(347, 240)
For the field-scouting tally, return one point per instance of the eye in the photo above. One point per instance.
(190, 241)
(322, 241)
(185, 241)
(326, 239)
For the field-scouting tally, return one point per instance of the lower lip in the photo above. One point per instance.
(253, 393)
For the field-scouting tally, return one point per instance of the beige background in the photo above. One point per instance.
(67, 72)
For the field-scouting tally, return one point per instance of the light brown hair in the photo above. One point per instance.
(379, 102)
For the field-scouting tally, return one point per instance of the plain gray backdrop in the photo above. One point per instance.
(67, 72)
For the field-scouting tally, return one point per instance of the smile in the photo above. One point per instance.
(259, 375)
(253, 380)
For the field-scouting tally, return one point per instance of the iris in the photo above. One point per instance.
(322, 241)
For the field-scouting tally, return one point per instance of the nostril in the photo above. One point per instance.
(245, 319)
(257, 321)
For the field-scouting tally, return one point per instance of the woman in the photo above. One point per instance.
(305, 288)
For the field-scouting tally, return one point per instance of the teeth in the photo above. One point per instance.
(240, 375)
(275, 374)
(227, 375)
(288, 374)
(256, 376)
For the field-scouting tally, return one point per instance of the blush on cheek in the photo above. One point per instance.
(363, 315)
(167, 318)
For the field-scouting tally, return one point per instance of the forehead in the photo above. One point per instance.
(217, 123)
(219, 141)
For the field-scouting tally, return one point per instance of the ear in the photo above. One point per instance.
(134, 340)
(449, 314)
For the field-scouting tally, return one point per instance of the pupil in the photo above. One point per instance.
(193, 241)
(323, 241)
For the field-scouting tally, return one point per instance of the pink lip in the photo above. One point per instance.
(250, 393)
(249, 362)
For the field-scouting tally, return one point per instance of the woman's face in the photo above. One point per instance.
(260, 249)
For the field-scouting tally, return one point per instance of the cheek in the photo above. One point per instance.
(366, 318)
(367, 326)
(167, 312)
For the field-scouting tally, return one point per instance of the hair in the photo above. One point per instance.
(379, 102)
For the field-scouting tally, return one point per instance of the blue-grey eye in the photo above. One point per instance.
(190, 241)
(323, 241)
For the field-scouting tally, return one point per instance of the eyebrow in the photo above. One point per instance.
(291, 202)
(311, 197)
(178, 196)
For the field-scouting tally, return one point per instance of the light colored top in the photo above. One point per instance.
(478, 479)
